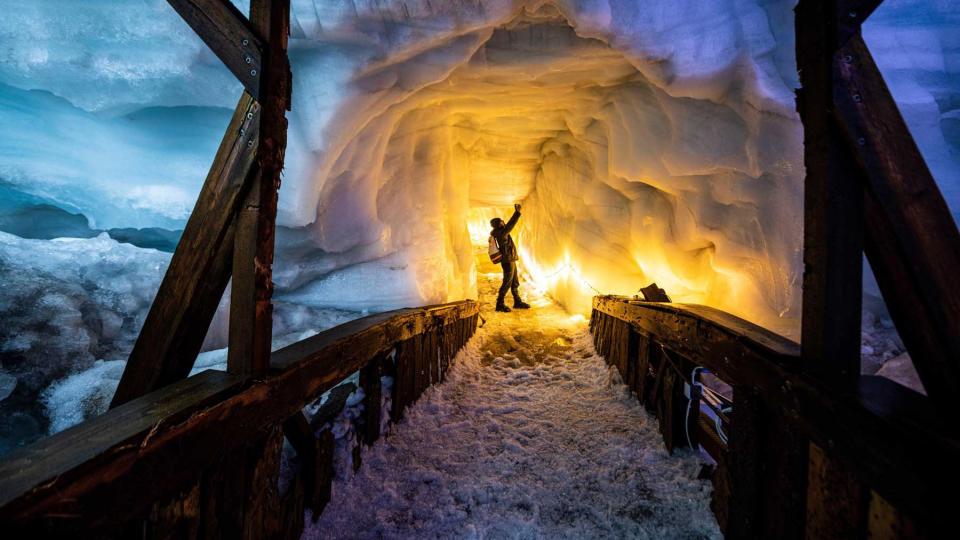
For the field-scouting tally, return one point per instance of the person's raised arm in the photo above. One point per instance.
(513, 219)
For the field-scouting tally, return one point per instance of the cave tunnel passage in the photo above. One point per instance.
(622, 184)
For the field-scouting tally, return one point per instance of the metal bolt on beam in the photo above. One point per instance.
(253, 73)
(857, 98)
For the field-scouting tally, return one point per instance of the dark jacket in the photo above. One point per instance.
(504, 240)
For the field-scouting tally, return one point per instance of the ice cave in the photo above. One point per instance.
(648, 141)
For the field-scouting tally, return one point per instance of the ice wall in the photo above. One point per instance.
(916, 44)
(648, 143)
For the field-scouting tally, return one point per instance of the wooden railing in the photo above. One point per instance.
(802, 460)
(201, 457)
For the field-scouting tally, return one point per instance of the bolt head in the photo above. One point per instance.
(852, 14)
(848, 58)
(857, 98)
(248, 60)
(249, 116)
(250, 143)
(253, 73)
(245, 42)
(861, 141)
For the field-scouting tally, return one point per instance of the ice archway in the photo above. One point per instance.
(636, 161)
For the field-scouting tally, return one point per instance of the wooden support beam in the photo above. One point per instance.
(744, 519)
(835, 499)
(199, 270)
(912, 240)
(229, 35)
(850, 16)
(370, 382)
(833, 212)
(251, 310)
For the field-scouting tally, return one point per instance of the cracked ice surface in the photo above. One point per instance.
(530, 436)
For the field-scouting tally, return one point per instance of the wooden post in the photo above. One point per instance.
(370, 382)
(835, 503)
(833, 211)
(251, 312)
(199, 270)
(912, 241)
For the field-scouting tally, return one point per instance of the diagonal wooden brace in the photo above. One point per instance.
(200, 268)
(229, 35)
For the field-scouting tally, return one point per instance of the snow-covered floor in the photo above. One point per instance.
(530, 436)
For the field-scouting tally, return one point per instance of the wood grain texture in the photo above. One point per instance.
(885, 434)
(833, 211)
(251, 309)
(834, 500)
(912, 241)
(200, 268)
(229, 35)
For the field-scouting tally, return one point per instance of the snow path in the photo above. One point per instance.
(530, 436)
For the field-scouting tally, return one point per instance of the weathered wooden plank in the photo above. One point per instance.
(915, 267)
(251, 310)
(719, 344)
(432, 357)
(199, 270)
(261, 509)
(403, 382)
(96, 439)
(229, 35)
(176, 518)
(370, 382)
(421, 375)
(876, 433)
(299, 432)
(744, 517)
(886, 522)
(833, 211)
(850, 16)
(667, 407)
(325, 455)
(658, 359)
(785, 475)
(643, 367)
(834, 499)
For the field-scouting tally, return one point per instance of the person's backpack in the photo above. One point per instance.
(494, 250)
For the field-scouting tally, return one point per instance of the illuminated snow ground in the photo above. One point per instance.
(530, 436)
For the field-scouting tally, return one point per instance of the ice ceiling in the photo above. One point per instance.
(629, 169)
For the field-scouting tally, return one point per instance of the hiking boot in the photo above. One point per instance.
(503, 308)
(520, 304)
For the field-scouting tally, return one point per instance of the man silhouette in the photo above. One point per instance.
(501, 233)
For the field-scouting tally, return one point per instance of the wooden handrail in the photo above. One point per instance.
(111, 468)
(885, 433)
